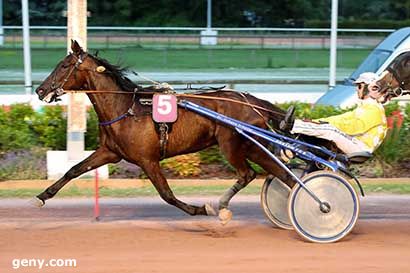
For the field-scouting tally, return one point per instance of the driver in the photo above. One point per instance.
(360, 130)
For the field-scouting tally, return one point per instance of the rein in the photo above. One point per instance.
(59, 90)
(194, 96)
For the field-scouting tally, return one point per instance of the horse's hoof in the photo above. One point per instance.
(210, 210)
(36, 202)
(225, 215)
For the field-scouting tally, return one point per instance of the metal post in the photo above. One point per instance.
(209, 36)
(26, 46)
(76, 120)
(209, 15)
(333, 45)
(1, 24)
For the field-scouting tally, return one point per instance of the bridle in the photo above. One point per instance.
(400, 90)
(59, 90)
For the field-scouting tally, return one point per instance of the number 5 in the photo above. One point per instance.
(164, 104)
(164, 108)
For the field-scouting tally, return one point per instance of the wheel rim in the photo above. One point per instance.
(315, 225)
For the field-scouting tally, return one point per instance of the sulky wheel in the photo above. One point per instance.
(274, 199)
(339, 211)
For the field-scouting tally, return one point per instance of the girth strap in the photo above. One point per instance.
(163, 138)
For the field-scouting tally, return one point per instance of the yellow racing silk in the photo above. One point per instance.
(366, 123)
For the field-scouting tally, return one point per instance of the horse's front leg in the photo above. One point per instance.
(100, 157)
(153, 171)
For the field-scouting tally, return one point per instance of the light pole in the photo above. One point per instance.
(333, 45)
(26, 47)
(1, 24)
(209, 15)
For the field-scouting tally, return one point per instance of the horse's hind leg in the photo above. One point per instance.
(246, 175)
(234, 150)
(255, 154)
(100, 157)
(153, 171)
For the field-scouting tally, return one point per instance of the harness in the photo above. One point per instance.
(163, 129)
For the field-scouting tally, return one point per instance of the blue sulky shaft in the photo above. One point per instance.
(212, 114)
(244, 128)
(272, 137)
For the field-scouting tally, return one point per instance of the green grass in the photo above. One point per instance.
(128, 192)
(140, 59)
(401, 188)
(387, 188)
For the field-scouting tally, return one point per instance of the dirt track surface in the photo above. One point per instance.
(147, 235)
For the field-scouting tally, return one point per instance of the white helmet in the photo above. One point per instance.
(367, 78)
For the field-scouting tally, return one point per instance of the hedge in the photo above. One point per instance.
(23, 128)
(27, 134)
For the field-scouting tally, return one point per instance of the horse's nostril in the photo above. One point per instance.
(40, 91)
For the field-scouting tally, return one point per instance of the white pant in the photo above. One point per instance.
(345, 143)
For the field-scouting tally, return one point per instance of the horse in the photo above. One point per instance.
(395, 80)
(135, 139)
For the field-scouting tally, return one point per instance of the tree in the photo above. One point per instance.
(401, 9)
(225, 13)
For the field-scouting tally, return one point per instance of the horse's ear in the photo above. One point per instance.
(75, 47)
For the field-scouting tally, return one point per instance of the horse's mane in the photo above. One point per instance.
(397, 62)
(118, 73)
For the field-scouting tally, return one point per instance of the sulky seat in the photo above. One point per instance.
(359, 157)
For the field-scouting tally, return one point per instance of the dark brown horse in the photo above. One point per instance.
(395, 81)
(135, 139)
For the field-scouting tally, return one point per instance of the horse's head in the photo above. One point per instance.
(395, 80)
(70, 73)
